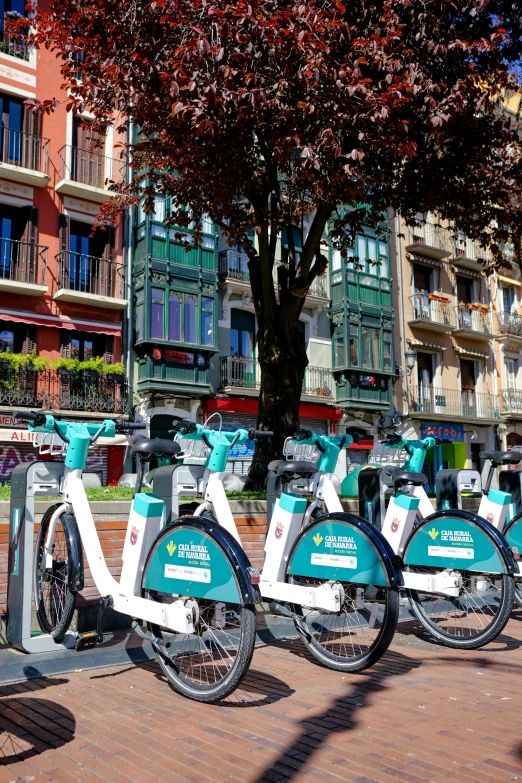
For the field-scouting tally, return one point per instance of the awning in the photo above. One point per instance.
(59, 321)
(307, 410)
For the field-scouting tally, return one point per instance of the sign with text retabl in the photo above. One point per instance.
(437, 429)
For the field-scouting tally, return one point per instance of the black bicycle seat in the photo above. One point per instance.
(402, 477)
(502, 457)
(301, 467)
(148, 447)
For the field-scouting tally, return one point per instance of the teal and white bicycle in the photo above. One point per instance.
(191, 582)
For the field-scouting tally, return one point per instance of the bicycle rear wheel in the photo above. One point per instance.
(209, 663)
(55, 600)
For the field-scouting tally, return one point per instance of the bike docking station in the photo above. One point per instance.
(28, 481)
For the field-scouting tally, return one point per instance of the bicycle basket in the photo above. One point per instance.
(49, 444)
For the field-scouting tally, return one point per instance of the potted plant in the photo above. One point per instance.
(35, 363)
(115, 371)
(437, 297)
(479, 307)
(11, 361)
(66, 366)
(91, 368)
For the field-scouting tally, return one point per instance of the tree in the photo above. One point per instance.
(260, 112)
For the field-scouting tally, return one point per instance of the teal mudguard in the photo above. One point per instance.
(344, 548)
(188, 558)
(460, 540)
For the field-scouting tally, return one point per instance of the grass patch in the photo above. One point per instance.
(125, 493)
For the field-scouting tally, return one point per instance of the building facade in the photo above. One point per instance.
(62, 291)
(460, 324)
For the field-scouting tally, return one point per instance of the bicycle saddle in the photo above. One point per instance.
(302, 467)
(502, 457)
(147, 447)
(402, 477)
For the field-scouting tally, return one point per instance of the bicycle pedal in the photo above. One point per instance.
(85, 641)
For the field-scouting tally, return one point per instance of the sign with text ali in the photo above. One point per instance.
(449, 430)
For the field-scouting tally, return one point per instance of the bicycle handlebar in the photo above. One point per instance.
(254, 434)
(128, 426)
(38, 419)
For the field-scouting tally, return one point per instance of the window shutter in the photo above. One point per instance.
(108, 252)
(29, 345)
(108, 356)
(32, 143)
(64, 233)
(28, 258)
(65, 346)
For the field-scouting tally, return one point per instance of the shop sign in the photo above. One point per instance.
(449, 430)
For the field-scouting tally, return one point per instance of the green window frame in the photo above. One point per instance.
(369, 347)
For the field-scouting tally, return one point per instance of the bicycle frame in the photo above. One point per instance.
(142, 529)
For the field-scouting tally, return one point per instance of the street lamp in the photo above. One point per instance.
(410, 357)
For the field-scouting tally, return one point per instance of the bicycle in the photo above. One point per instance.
(191, 583)
(316, 576)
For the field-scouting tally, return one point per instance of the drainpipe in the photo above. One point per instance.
(404, 378)
(129, 255)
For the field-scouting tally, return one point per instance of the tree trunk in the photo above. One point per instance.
(283, 361)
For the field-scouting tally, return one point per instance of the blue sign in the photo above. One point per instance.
(437, 429)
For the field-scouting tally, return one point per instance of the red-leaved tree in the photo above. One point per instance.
(258, 112)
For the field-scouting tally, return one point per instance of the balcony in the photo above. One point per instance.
(429, 240)
(90, 280)
(86, 174)
(24, 157)
(450, 403)
(51, 390)
(234, 266)
(431, 313)
(472, 323)
(23, 267)
(509, 326)
(468, 254)
(511, 401)
(243, 373)
(169, 376)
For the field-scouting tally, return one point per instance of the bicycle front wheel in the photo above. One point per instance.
(55, 600)
(209, 663)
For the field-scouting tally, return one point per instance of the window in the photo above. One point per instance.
(85, 345)
(7, 341)
(242, 334)
(514, 441)
(372, 256)
(509, 299)
(383, 258)
(12, 111)
(465, 290)
(140, 316)
(421, 279)
(370, 348)
(510, 372)
(207, 306)
(174, 318)
(425, 377)
(354, 346)
(387, 351)
(12, 8)
(339, 358)
(298, 244)
(157, 314)
(468, 376)
(190, 320)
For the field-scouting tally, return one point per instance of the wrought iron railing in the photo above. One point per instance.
(52, 390)
(90, 275)
(431, 235)
(88, 167)
(25, 150)
(431, 400)
(233, 265)
(473, 320)
(509, 323)
(22, 262)
(245, 373)
(435, 311)
(463, 247)
(16, 47)
(511, 400)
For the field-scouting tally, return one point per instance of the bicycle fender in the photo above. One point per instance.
(75, 571)
(344, 547)
(183, 562)
(459, 539)
(513, 532)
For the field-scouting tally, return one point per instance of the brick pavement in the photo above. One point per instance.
(424, 713)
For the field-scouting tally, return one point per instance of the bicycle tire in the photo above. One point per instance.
(187, 660)
(518, 594)
(54, 599)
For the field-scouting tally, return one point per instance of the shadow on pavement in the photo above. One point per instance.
(29, 726)
(340, 716)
